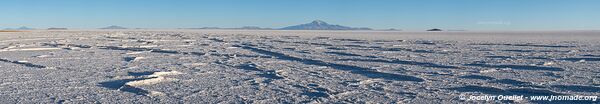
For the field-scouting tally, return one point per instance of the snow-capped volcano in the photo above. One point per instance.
(321, 25)
(114, 27)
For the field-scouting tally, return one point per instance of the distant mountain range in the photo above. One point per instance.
(253, 28)
(239, 28)
(20, 28)
(314, 25)
(321, 25)
(114, 27)
(57, 28)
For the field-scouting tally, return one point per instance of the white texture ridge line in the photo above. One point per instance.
(155, 78)
(30, 49)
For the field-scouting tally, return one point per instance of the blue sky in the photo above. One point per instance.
(379, 14)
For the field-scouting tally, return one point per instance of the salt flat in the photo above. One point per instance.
(272, 66)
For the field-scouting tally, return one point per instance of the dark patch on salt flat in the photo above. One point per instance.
(60, 102)
(336, 48)
(80, 46)
(135, 90)
(216, 40)
(356, 46)
(515, 50)
(590, 55)
(541, 58)
(289, 49)
(353, 69)
(342, 53)
(403, 62)
(196, 53)
(120, 85)
(579, 59)
(290, 37)
(26, 64)
(425, 42)
(321, 44)
(375, 47)
(140, 73)
(477, 77)
(301, 42)
(350, 40)
(116, 84)
(164, 51)
(322, 38)
(530, 45)
(499, 57)
(360, 42)
(315, 94)
(518, 67)
(144, 41)
(279, 41)
(312, 85)
(128, 59)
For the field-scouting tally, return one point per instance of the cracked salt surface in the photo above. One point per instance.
(227, 66)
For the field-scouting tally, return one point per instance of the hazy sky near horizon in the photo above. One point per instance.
(378, 14)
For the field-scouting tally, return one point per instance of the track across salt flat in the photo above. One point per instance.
(271, 66)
